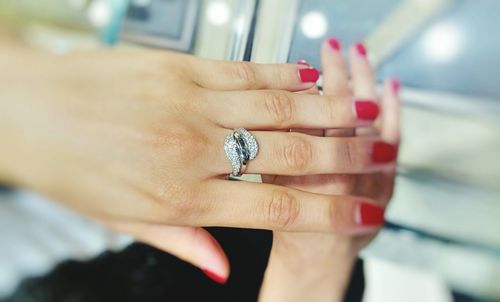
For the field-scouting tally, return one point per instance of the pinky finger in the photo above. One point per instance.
(191, 244)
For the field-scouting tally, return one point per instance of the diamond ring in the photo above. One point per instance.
(240, 147)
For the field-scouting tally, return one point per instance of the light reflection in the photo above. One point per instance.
(99, 13)
(314, 24)
(218, 13)
(443, 42)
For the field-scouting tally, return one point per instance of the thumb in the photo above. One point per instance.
(191, 244)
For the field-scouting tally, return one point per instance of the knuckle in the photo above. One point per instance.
(338, 108)
(281, 107)
(183, 205)
(331, 108)
(246, 73)
(297, 154)
(282, 210)
(181, 142)
(281, 76)
(338, 215)
(181, 208)
(190, 99)
(347, 154)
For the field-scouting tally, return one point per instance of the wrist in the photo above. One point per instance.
(307, 272)
(23, 114)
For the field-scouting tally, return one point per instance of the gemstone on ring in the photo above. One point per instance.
(240, 147)
(250, 142)
(230, 147)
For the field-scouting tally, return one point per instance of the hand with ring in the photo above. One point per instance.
(136, 139)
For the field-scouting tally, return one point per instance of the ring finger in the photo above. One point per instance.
(284, 153)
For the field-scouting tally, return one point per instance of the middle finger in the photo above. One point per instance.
(276, 109)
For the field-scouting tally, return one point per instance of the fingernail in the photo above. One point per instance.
(369, 214)
(366, 110)
(308, 75)
(361, 49)
(214, 276)
(334, 43)
(395, 84)
(384, 152)
(303, 62)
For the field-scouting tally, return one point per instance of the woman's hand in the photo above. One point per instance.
(135, 139)
(317, 266)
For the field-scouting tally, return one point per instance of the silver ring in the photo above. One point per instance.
(240, 147)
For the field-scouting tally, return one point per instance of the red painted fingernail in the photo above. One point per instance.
(369, 214)
(309, 75)
(395, 84)
(366, 110)
(384, 152)
(215, 277)
(361, 49)
(334, 43)
(303, 62)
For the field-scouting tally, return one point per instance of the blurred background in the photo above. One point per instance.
(442, 238)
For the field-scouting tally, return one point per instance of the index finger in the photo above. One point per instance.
(224, 75)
